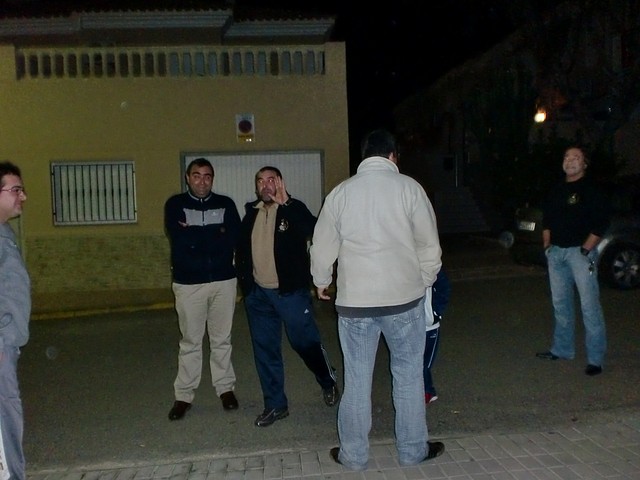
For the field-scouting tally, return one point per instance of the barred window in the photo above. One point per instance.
(90, 193)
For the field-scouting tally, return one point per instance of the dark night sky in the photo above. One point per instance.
(393, 49)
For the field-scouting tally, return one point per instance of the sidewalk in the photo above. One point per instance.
(607, 451)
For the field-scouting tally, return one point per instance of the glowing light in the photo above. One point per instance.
(540, 116)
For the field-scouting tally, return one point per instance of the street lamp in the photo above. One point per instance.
(540, 116)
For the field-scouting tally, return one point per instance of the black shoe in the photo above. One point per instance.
(435, 450)
(592, 370)
(333, 453)
(178, 410)
(547, 356)
(269, 416)
(229, 401)
(331, 395)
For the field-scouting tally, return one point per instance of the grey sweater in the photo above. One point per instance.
(15, 292)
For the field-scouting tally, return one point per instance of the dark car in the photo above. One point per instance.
(619, 249)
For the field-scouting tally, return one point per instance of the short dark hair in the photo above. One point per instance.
(200, 162)
(378, 143)
(264, 169)
(8, 168)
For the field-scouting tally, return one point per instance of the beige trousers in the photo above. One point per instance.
(205, 308)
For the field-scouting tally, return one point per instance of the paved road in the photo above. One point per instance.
(97, 389)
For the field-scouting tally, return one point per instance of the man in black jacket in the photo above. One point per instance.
(203, 227)
(273, 269)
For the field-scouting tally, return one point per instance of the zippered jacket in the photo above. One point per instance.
(294, 227)
(203, 233)
(381, 228)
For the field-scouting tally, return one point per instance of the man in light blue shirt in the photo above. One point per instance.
(15, 310)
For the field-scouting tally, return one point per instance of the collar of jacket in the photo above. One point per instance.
(198, 198)
(377, 163)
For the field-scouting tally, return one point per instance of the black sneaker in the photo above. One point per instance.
(592, 370)
(269, 416)
(334, 453)
(178, 410)
(547, 356)
(435, 450)
(331, 395)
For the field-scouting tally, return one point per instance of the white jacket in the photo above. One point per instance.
(381, 227)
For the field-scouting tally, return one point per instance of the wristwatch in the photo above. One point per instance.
(584, 251)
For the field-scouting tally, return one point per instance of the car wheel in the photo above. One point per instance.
(619, 266)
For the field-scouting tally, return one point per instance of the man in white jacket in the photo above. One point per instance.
(381, 228)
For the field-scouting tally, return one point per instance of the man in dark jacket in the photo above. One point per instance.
(273, 269)
(203, 228)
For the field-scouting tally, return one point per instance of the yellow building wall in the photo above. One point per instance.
(150, 121)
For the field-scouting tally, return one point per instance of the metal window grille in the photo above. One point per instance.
(90, 193)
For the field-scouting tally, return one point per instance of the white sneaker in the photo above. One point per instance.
(429, 398)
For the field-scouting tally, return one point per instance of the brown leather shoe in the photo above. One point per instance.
(178, 410)
(229, 401)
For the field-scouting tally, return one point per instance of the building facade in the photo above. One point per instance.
(102, 111)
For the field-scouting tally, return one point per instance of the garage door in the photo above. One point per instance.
(235, 173)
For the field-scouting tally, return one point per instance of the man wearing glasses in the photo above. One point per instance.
(15, 309)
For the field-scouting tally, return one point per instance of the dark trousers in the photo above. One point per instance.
(267, 311)
(430, 352)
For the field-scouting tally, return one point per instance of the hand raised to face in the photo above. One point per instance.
(271, 188)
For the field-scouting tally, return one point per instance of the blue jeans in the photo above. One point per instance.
(359, 338)
(11, 413)
(267, 310)
(569, 269)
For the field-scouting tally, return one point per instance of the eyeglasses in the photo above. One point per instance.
(16, 190)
